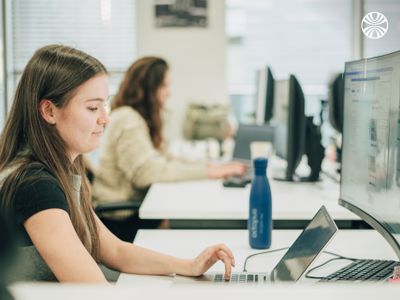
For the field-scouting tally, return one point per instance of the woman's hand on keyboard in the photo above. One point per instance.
(223, 170)
(209, 256)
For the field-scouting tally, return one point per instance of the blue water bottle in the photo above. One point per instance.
(260, 210)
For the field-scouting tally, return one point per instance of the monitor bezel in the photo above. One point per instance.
(264, 96)
(296, 127)
(335, 102)
(269, 96)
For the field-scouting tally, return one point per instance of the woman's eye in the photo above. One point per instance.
(92, 108)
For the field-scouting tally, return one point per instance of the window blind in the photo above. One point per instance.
(102, 28)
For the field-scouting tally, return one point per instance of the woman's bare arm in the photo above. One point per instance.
(55, 238)
(129, 258)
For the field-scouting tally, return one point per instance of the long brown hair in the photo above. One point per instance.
(138, 90)
(54, 72)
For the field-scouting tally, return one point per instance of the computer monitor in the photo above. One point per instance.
(335, 101)
(265, 96)
(370, 185)
(289, 121)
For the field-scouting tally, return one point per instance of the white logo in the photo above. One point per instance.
(374, 25)
(254, 223)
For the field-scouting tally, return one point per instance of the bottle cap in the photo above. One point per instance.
(260, 163)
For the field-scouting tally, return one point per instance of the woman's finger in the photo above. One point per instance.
(227, 262)
(228, 251)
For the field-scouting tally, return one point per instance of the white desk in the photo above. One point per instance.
(188, 243)
(43, 291)
(209, 200)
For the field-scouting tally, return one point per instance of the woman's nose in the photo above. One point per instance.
(103, 119)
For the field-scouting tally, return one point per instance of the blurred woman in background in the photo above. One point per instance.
(134, 155)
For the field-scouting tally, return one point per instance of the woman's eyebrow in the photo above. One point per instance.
(95, 99)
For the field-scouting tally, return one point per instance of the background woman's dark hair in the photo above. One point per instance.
(54, 73)
(139, 91)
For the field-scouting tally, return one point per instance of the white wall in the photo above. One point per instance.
(197, 58)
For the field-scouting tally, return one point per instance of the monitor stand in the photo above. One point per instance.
(288, 178)
(314, 151)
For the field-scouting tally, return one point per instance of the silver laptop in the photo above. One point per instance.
(246, 134)
(305, 249)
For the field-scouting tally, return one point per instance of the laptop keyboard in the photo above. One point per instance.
(241, 278)
(364, 269)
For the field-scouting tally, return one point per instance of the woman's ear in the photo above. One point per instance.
(47, 111)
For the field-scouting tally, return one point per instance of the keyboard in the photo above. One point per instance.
(364, 269)
(241, 278)
(240, 181)
(236, 181)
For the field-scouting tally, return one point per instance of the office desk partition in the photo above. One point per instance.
(207, 204)
(189, 243)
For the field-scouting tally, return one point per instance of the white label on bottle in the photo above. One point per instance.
(254, 223)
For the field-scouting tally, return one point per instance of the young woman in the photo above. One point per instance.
(57, 115)
(133, 156)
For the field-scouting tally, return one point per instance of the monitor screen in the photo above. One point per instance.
(265, 96)
(247, 134)
(281, 116)
(370, 184)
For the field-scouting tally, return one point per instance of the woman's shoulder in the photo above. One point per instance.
(37, 174)
(39, 170)
(29, 170)
(33, 183)
(38, 190)
(126, 117)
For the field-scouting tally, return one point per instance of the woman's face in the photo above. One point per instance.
(163, 90)
(81, 122)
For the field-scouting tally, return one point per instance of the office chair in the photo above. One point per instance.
(124, 228)
(104, 207)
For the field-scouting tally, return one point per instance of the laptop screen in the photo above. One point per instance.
(247, 134)
(305, 248)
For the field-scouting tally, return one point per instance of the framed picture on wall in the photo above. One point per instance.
(181, 13)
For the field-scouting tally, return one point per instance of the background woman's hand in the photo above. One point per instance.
(223, 170)
(209, 256)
